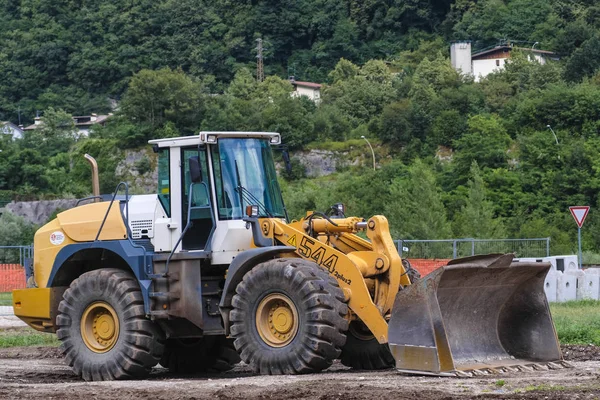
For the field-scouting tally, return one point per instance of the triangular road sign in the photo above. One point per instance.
(579, 213)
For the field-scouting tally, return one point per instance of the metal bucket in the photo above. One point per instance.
(476, 313)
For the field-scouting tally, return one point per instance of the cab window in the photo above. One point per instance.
(164, 180)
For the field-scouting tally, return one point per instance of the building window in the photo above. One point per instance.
(497, 63)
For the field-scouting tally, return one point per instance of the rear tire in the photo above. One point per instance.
(288, 317)
(103, 328)
(363, 351)
(207, 354)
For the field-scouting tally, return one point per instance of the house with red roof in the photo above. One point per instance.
(309, 89)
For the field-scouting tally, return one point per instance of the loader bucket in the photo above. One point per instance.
(480, 313)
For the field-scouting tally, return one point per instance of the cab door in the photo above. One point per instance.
(198, 234)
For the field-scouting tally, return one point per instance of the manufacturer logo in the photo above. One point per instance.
(57, 238)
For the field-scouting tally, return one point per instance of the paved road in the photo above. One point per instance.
(8, 319)
(6, 310)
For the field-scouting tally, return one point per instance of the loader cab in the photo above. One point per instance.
(225, 171)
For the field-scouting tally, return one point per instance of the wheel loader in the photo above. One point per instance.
(209, 270)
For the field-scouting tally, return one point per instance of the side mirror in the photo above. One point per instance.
(195, 170)
(287, 161)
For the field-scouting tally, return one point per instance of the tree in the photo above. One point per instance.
(14, 231)
(343, 71)
(154, 98)
(485, 142)
(363, 96)
(476, 218)
(55, 134)
(585, 61)
(415, 209)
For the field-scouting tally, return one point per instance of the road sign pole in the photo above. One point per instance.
(579, 213)
(579, 240)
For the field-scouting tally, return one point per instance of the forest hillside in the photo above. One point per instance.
(455, 157)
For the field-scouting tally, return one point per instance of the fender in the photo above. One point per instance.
(132, 255)
(243, 263)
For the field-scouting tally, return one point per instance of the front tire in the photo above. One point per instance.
(104, 332)
(288, 317)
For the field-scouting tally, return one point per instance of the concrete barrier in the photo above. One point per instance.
(588, 285)
(566, 287)
(550, 286)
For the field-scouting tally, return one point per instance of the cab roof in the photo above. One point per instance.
(211, 137)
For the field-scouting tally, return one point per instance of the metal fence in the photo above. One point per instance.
(15, 254)
(456, 248)
(447, 248)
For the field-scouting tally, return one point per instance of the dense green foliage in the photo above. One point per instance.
(457, 158)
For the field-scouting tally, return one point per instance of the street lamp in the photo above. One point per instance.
(372, 152)
(552, 130)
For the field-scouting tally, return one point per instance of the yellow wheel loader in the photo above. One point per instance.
(209, 270)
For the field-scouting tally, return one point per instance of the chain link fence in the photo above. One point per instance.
(15, 254)
(456, 248)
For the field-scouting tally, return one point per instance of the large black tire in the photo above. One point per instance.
(316, 331)
(207, 354)
(363, 351)
(99, 297)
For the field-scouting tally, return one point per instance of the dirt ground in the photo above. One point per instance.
(39, 372)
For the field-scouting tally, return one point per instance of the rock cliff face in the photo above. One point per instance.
(323, 162)
(139, 168)
(38, 212)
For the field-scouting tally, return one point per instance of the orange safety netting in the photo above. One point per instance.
(427, 266)
(12, 276)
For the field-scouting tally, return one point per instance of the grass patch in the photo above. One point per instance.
(6, 299)
(500, 382)
(544, 388)
(26, 337)
(577, 322)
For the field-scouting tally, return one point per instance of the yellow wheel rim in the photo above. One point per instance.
(277, 320)
(99, 327)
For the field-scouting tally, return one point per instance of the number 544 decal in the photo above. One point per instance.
(312, 249)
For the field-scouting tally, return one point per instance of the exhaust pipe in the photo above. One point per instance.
(95, 178)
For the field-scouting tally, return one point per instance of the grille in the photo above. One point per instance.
(141, 228)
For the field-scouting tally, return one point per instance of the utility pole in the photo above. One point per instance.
(260, 72)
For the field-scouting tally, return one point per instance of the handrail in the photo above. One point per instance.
(110, 206)
(137, 246)
(189, 223)
(87, 198)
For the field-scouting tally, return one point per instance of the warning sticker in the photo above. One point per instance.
(57, 238)
(292, 241)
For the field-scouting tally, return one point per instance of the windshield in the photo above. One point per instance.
(245, 175)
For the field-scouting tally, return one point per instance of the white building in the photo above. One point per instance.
(308, 89)
(8, 128)
(82, 123)
(491, 60)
